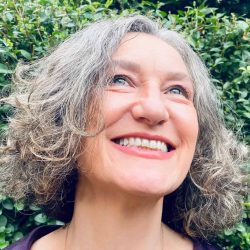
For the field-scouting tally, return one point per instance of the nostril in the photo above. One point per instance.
(150, 114)
(151, 122)
(162, 122)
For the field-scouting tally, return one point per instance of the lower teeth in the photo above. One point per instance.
(145, 148)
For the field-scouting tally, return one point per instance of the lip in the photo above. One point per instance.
(145, 153)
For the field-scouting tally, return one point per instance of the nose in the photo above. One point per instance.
(150, 109)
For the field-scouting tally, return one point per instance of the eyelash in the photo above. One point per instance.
(123, 77)
(183, 90)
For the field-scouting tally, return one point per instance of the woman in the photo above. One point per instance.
(118, 118)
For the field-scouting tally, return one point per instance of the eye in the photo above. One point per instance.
(175, 91)
(120, 80)
(178, 90)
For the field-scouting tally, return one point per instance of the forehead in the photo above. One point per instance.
(145, 51)
(141, 41)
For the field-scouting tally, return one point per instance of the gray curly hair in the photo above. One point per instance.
(55, 100)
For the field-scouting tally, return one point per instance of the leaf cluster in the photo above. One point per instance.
(17, 219)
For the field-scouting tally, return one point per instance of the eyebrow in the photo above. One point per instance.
(128, 65)
(178, 76)
(132, 66)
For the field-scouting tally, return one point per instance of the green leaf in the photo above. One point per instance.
(25, 54)
(3, 128)
(241, 228)
(40, 218)
(9, 228)
(218, 61)
(2, 197)
(4, 244)
(2, 229)
(228, 232)
(9, 16)
(4, 69)
(19, 206)
(18, 236)
(226, 85)
(108, 3)
(8, 204)
(3, 221)
(246, 204)
(34, 207)
(242, 25)
(228, 45)
(247, 114)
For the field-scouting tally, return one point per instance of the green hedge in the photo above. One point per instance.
(28, 29)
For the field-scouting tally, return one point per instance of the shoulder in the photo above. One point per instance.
(198, 245)
(26, 242)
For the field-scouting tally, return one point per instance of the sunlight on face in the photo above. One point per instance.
(151, 123)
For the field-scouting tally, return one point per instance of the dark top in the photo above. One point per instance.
(26, 242)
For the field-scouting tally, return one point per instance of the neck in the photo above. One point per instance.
(109, 220)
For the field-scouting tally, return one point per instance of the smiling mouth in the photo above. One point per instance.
(143, 143)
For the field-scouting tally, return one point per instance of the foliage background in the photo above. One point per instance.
(29, 28)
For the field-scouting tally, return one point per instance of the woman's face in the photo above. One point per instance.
(151, 123)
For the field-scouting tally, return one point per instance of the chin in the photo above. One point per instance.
(148, 186)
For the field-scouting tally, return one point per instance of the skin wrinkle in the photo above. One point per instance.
(118, 118)
(65, 79)
(133, 67)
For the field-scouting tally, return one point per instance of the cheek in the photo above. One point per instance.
(115, 106)
(185, 122)
(89, 149)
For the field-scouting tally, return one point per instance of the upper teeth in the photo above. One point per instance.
(141, 142)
